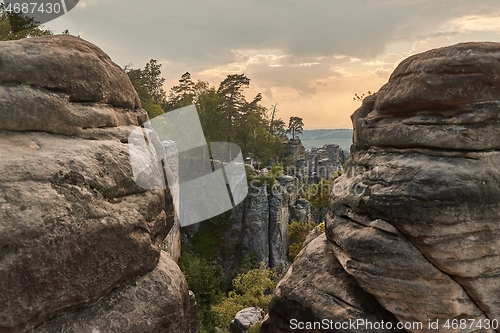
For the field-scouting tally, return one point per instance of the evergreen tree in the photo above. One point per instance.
(16, 26)
(295, 126)
(182, 94)
(149, 86)
(233, 100)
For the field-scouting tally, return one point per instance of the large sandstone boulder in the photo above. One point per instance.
(77, 235)
(416, 213)
(316, 289)
(121, 310)
(414, 220)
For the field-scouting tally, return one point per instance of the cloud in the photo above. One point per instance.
(386, 66)
(302, 74)
(204, 33)
(311, 56)
(475, 23)
(430, 43)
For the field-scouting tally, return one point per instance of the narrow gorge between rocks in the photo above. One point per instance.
(411, 226)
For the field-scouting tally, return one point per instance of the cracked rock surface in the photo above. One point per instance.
(76, 232)
(414, 220)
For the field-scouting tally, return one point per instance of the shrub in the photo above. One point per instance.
(251, 289)
(255, 328)
(202, 278)
(297, 233)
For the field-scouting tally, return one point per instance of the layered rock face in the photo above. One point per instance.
(322, 162)
(79, 240)
(260, 223)
(414, 220)
(316, 289)
(295, 149)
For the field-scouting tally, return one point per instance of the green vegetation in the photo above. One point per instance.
(149, 86)
(219, 301)
(318, 194)
(225, 115)
(297, 233)
(254, 329)
(224, 112)
(295, 126)
(16, 26)
(251, 289)
(266, 179)
(220, 293)
(362, 96)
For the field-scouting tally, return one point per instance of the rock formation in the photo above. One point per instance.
(414, 219)
(322, 162)
(260, 223)
(244, 319)
(79, 240)
(295, 149)
(316, 288)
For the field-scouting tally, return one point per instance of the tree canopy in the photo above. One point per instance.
(149, 86)
(224, 111)
(295, 126)
(16, 26)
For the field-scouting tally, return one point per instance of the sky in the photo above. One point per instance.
(308, 56)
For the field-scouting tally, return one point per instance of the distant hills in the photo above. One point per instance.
(320, 137)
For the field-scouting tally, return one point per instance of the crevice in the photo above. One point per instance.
(429, 151)
(420, 149)
(340, 301)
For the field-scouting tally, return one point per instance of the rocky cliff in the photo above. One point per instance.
(322, 162)
(413, 221)
(260, 223)
(79, 240)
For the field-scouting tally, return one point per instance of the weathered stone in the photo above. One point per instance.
(283, 194)
(172, 243)
(29, 104)
(443, 99)
(256, 225)
(244, 319)
(416, 212)
(300, 210)
(158, 301)
(295, 149)
(74, 224)
(73, 67)
(317, 289)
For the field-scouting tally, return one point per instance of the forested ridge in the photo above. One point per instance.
(224, 111)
